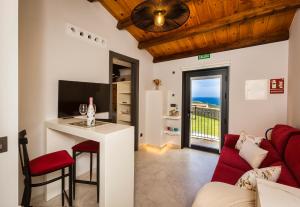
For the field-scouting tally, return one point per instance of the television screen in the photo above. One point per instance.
(72, 93)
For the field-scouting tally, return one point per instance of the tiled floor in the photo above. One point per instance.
(206, 143)
(169, 178)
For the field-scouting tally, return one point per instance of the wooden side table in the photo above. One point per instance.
(270, 194)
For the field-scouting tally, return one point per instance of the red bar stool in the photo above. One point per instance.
(91, 147)
(41, 166)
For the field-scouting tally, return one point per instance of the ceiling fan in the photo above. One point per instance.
(160, 15)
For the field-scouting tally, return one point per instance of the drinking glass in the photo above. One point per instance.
(83, 109)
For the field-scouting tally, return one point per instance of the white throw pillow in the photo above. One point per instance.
(248, 180)
(243, 136)
(216, 194)
(252, 153)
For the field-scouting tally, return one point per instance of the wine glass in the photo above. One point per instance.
(83, 109)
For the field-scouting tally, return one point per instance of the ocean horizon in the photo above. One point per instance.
(215, 101)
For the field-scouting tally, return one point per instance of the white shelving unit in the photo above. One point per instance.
(172, 121)
(124, 102)
(172, 117)
(172, 133)
(157, 122)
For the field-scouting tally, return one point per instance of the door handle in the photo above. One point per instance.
(188, 113)
(3, 144)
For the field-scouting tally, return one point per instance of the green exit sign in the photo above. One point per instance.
(204, 56)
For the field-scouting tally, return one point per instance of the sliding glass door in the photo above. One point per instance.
(205, 108)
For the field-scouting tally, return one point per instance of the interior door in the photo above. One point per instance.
(205, 108)
(9, 103)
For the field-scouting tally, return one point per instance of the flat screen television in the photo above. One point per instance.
(73, 93)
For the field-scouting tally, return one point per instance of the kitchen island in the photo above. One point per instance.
(116, 157)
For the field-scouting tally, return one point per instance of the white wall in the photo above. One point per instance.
(9, 101)
(294, 73)
(48, 54)
(260, 62)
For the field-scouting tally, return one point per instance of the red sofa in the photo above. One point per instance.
(283, 149)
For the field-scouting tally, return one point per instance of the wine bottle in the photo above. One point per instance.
(91, 113)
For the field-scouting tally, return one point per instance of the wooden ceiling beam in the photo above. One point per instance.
(248, 42)
(252, 14)
(126, 22)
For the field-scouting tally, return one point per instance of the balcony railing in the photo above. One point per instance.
(205, 122)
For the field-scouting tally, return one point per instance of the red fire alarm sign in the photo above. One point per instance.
(276, 86)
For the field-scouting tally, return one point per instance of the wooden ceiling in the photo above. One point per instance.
(214, 26)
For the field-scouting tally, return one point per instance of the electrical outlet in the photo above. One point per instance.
(3, 144)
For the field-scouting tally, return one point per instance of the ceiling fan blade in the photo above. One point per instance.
(145, 24)
(144, 12)
(176, 11)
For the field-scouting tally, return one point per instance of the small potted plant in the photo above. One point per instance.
(157, 83)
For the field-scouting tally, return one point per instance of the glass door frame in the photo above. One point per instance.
(186, 103)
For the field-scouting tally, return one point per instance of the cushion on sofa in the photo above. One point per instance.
(272, 156)
(227, 196)
(231, 140)
(292, 156)
(248, 180)
(227, 174)
(253, 154)
(243, 137)
(285, 178)
(280, 136)
(231, 157)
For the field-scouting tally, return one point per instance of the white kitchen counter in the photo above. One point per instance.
(116, 158)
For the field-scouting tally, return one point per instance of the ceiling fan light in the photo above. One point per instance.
(159, 18)
(154, 16)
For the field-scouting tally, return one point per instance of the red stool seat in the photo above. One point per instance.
(87, 146)
(91, 147)
(50, 163)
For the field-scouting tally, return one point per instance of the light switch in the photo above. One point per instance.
(3, 144)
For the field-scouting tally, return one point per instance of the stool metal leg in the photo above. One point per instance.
(27, 192)
(74, 174)
(91, 165)
(70, 186)
(63, 187)
(75, 180)
(98, 176)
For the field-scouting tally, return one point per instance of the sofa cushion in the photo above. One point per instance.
(285, 178)
(231, 157)
(231, 140)
(243, 137)
(280, 136)
(227, 174)
(253, 154)
(228, 195)
(248, 180)
(272, 155)
(292, 156)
